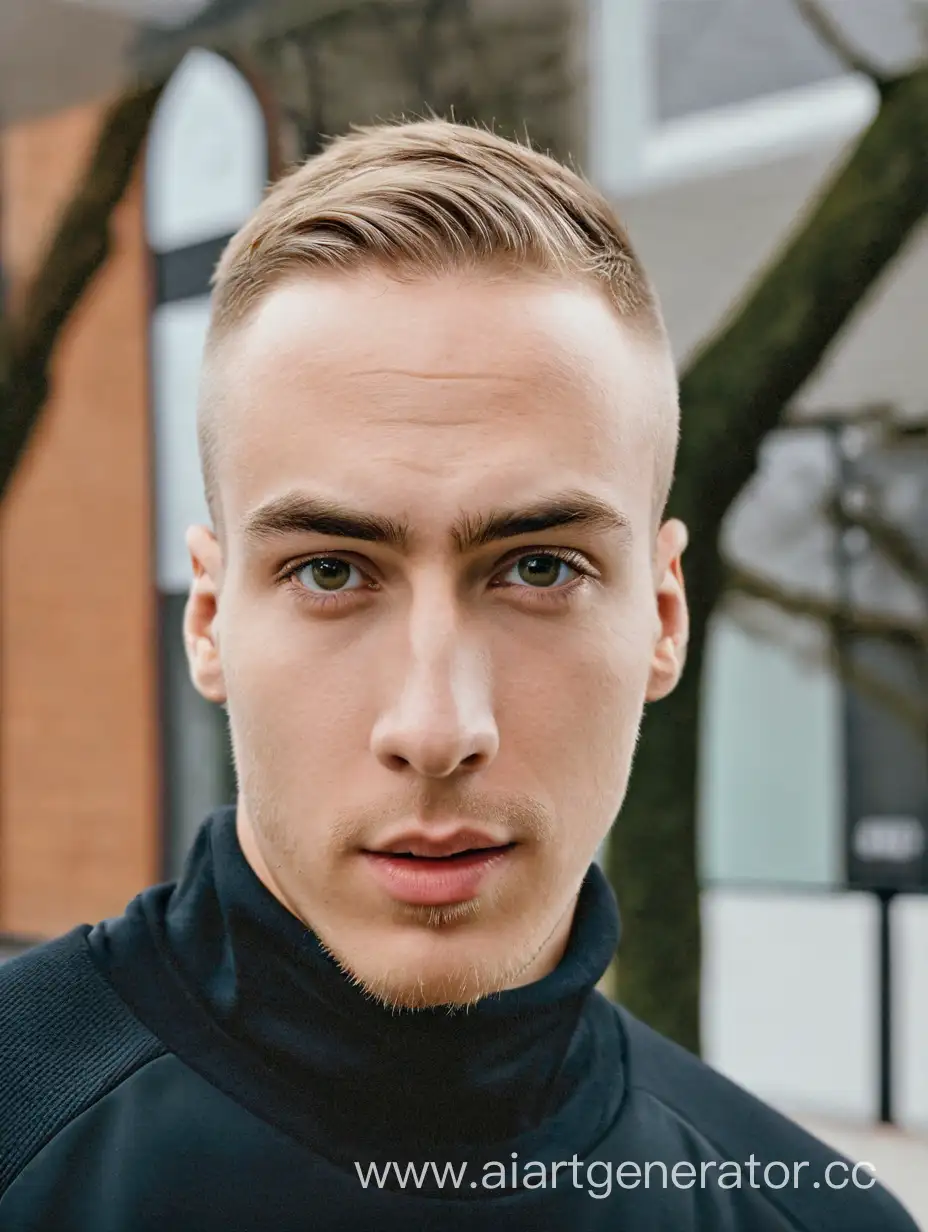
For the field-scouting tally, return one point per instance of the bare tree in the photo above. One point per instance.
(34, 316)
(891, 538)
(733, 393)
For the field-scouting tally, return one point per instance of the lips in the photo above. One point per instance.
(433, 870)
(432, 845)
(450, 858)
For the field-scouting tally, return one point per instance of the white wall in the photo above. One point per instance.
(789, 1007)
(910, 1009)
(790, 1004)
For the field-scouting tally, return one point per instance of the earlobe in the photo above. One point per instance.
(666, 669)
(669, 654)
(200, 634)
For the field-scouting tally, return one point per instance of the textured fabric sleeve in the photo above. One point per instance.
(66, 1039)
(736, 1123)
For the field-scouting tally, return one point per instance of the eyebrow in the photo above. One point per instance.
(298, 513)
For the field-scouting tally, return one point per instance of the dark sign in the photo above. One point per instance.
(886, 757)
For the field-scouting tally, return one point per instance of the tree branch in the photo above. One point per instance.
(77, 249)
(913, 711)
(884, 416)
(823, 419)
(828, 611)
(918, 11)
(735, 389)
(831, 34)
(898, 547)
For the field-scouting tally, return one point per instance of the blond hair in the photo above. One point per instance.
(421, 198)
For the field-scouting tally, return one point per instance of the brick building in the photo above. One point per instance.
(97, 727)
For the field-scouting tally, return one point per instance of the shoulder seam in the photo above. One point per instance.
(75, 1116)
(69, 1039)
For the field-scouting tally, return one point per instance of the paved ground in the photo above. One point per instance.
(900, 1159)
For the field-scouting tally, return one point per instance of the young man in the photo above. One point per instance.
(438, 423)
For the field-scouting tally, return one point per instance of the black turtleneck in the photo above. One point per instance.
(238, 987)
(199, 1063)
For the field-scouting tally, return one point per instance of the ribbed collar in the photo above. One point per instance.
(416, 1081)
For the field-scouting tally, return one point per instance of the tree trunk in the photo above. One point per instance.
(733, 393)
(652, 852)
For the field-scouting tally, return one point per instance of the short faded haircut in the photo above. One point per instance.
(423, 198)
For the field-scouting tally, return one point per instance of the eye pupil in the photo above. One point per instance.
(329, 573)
(540, 569)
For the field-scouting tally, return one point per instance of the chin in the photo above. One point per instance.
(454, 989)
(435, 967)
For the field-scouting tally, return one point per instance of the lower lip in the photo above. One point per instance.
(433, 883)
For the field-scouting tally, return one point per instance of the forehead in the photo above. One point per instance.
(448, 386)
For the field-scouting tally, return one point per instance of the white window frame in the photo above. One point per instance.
(630, 151)
(152, 12)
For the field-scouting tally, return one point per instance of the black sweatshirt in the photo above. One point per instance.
(199, 1063)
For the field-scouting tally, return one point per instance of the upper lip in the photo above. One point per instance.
(429, 843)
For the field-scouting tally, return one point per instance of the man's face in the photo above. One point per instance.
(472, 701)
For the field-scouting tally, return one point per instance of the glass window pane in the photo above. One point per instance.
(771, 789)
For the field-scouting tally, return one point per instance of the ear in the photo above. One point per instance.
(200, 635)
(669, 654)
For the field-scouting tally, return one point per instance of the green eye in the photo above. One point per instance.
(540, 569)
(328, 573)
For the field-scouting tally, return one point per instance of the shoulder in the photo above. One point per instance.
(66, 1039)
(670, 1085)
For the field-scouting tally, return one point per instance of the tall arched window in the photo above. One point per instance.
(207, 166)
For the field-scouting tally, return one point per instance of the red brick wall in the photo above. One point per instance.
(78, 679)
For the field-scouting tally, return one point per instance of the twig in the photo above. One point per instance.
(919, 14)
(897, 547)
(831, 34)
(825, 610)
(913, 711)
(879, 413)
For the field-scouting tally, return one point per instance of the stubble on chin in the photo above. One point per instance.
(463, 984)
(462, 987)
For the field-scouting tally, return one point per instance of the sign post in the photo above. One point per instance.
(886, 759)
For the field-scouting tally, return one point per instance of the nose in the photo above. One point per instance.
(442, 720)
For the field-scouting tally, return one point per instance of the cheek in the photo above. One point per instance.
(578, 695)
(294, 700)
(302, 699)
(311, 711)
